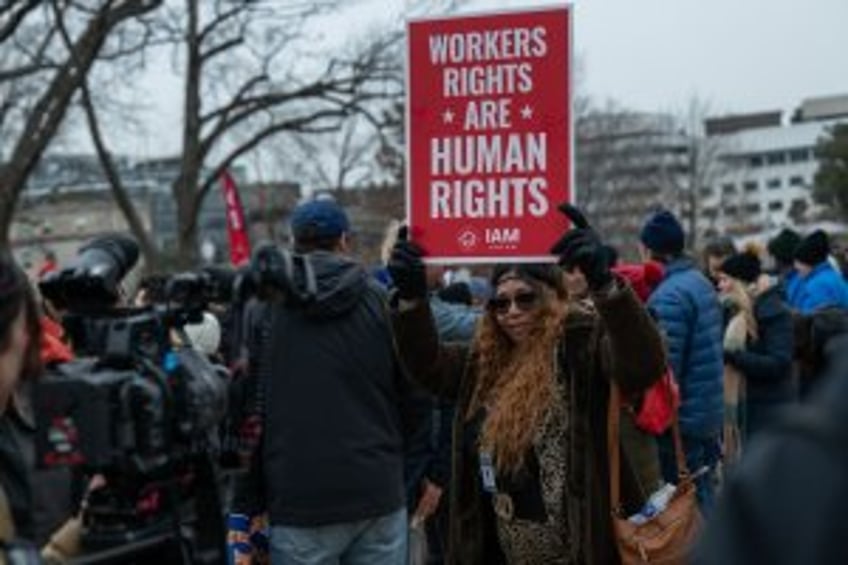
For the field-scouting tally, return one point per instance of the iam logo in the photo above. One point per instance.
(468, 239)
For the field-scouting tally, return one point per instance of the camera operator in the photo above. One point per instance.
(19, 362)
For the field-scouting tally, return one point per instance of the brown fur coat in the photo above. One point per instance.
(619, 341)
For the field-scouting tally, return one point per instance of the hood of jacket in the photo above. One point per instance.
(339, 282)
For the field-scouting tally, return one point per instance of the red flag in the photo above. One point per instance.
(236, 228)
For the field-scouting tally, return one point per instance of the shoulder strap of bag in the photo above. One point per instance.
(614, 448)
(7, 526)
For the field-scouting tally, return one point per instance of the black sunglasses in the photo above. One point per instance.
(524, 301)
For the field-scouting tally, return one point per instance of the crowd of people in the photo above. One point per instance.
(405, 414)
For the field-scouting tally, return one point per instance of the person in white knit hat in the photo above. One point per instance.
(205, 336)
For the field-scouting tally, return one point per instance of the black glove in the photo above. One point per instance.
(581, 248)
(406, 267)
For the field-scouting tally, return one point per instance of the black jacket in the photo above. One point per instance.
(40, 500)
(785, 502)
(16, 445)
(767, 362)
(333, 448)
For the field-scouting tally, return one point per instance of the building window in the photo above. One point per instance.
(709, 213)
(728, 189)
(774, 183)
(799, 155)
(776, 158)
(731, 211)
(752, 208)
(706, 192)
(799, 203)
(750, 186)
(756, 161)
(796, 181)
(775, 205)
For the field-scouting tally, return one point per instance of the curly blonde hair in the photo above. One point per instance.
(516, 382)
(739, 295)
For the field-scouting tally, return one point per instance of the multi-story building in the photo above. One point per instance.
(627, 164)
(767, 169)
(67, 202)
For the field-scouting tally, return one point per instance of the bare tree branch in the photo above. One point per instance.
(15, 12)
(222, 47)
(119, 192)
(300, 125)
(47, 114)
(219, 20)
(236, 100)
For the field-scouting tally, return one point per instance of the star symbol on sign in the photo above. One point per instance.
(447, 117)
(526, 112)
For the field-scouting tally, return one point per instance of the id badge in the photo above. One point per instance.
(487, 473)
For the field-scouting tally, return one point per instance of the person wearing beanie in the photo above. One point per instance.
(820, 285)
(745, 267)
(686, 307)
(663, 235)
(782, 250)
(335, 427)
(531, 392)
(758, 344)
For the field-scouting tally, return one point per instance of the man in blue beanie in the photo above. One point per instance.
(687, 309)
(330, 467)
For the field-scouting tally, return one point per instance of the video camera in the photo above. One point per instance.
(133, 406)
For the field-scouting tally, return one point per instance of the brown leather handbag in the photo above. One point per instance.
(667, 537)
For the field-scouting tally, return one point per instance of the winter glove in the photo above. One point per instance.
(406, 268)
(581, 248)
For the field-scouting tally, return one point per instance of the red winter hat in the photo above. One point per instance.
(643, 277)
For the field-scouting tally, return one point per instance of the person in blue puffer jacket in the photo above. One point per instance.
(820, 284)
(687, 309)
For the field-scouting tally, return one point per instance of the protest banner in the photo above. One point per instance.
(489, 134)
(236, 226)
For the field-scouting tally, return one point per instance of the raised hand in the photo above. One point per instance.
(581, 248)
(406, 267)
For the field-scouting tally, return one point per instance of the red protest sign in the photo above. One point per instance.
(489, 135)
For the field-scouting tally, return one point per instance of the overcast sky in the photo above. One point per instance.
(739, 55)
(653, 55)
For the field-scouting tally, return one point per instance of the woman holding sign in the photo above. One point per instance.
(530, 466)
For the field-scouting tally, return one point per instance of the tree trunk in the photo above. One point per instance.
(185, 186)
(148, 250)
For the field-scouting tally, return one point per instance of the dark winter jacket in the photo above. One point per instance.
(688, 311)
(785, 503)
(767, 362)
(791, 282)
(821, 287)
(621, 343)
(333, 445)
(17, 438)
(429, 419)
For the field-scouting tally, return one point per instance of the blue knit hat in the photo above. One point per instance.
(662, 233)
(318, 219)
